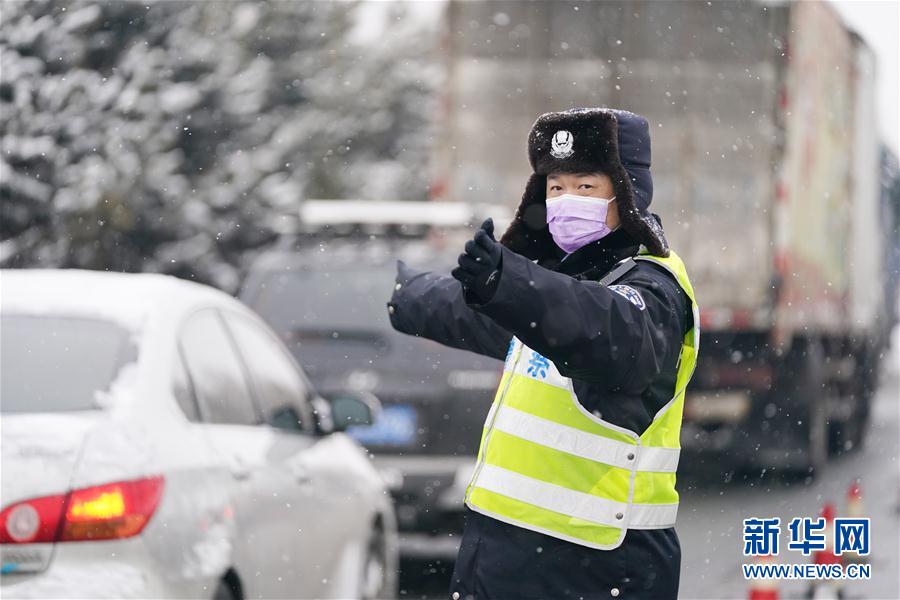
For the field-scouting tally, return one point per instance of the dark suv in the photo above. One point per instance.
(327, 299)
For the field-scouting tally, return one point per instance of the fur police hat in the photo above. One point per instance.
(615, 142)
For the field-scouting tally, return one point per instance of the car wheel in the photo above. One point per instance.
(374, 580)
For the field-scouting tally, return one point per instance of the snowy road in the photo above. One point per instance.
(711, 514)
(709, 520)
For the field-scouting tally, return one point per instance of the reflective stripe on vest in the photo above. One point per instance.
(547, 464)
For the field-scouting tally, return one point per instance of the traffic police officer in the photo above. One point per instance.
(573, 493)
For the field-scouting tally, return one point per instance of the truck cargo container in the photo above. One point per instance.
(766, 172)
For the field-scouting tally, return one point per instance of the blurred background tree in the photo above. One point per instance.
(175, 136)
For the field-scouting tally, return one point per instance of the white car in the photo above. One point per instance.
(158, 440)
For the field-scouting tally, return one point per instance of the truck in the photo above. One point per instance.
(766, 168)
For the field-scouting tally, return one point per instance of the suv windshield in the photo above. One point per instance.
(341, 299)
(57, 363)
(335, 320)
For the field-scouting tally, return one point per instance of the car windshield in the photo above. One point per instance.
(59, 363)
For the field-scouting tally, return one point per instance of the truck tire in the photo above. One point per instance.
(817, 442)
(849, 435)
(800, 393)
(226, 590)
(869, 378)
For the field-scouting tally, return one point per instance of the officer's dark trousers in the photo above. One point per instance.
(501, 561)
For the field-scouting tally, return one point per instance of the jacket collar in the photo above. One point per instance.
(596, 259)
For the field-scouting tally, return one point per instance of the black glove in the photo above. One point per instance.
(479, 265)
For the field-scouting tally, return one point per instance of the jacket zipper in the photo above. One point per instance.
(487, 436)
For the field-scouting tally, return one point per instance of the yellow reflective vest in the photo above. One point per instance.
(547, 464)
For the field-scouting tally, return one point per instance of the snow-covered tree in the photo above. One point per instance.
(173, 136)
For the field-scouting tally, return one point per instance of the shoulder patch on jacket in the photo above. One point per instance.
(630, 294)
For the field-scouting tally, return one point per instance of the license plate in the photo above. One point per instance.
(395, 426)
(24, 558)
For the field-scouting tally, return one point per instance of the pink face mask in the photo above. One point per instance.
(576, 221)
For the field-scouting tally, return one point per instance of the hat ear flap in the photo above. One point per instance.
(528, 233)
(640, 224)
(645, 227)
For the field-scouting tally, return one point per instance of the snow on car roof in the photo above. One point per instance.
(124, 298)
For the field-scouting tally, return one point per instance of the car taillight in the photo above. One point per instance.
(32, 521)
(111, 511)
(102, 512)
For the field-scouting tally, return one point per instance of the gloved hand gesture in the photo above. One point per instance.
(479, 265)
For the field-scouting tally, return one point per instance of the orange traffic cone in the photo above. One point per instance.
(855, 510)
(827, 556)
(826, 588)
(763, 589)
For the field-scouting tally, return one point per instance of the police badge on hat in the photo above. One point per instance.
(561, 144)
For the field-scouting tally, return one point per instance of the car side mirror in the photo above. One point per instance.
(353, 408)
(286, 418)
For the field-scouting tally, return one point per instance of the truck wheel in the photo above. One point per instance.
(800, 390)
(225, 590)
(817, 448)
(848, 434)
(867, 386)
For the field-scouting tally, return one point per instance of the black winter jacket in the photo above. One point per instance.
(619, 345)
